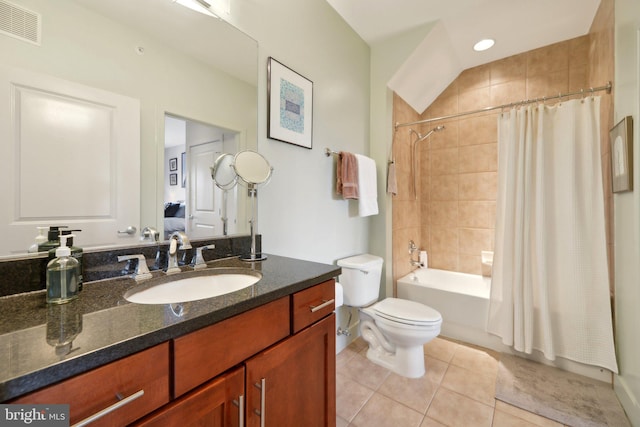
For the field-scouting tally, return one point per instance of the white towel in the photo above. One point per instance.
(367, 186)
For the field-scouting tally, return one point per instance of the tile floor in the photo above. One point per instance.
(457, 390)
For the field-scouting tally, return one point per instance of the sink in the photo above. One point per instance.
(207, 285)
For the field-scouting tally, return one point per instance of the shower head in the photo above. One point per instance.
(428, 134)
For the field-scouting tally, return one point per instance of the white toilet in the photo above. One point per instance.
(395, 329)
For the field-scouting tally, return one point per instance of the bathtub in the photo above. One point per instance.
(462, 300)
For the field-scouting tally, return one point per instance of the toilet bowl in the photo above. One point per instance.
(395, 329)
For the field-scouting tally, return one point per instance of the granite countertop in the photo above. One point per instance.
(41, 344)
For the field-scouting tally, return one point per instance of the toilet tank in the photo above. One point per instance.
(360, 279)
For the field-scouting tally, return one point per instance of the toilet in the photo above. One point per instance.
(395, 329)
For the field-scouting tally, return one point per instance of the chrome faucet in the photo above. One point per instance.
(412, 249)
(198, 261)
(177, 241)
(142, 271)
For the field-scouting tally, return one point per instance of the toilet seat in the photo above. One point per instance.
(406, 312)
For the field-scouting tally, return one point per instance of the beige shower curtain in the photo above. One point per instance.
(550, 286)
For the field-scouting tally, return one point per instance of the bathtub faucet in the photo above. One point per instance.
(413, 249)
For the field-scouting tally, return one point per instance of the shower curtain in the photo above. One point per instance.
(550, 286)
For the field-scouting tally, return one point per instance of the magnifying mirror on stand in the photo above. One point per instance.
(225, 178)
(253, 170)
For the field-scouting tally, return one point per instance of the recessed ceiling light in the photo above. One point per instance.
(483, 45)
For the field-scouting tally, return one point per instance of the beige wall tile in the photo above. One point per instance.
(478, 158)
(505, 93)
(474, 78)
(475, 99)
(548, 59)
(443, 214)
(469, 264)
(478, 186)
(444, 187)
(444, 240)
(443, 260)
(509, 69)
(444, 161)
(477, 214)
(549, 84)
(478, 129)
(471, 241)
(446, 138)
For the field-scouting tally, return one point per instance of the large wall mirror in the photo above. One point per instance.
(136, 71)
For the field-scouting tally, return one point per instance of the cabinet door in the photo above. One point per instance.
(293, 383)
(219, 402)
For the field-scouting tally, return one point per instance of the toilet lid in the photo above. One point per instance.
(405, 311)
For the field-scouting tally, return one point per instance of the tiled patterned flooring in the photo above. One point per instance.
(457, 390)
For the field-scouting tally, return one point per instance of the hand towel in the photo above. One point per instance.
(392, 183)
(347, 175)
(367, 186)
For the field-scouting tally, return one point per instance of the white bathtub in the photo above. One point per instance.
(462, 300)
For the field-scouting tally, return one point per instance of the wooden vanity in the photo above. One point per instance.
(272, 365)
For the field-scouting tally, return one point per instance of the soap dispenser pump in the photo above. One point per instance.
(62, 275)
(40, 239)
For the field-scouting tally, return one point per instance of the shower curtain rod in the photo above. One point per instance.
(592, 90)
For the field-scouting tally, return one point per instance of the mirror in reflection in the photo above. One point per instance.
(155, 57)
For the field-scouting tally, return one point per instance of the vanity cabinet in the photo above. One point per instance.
(273, 365)
(293, 382)
(218, 403)
(130, 387)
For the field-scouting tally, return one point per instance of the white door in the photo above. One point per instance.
(71, 158)
(203, 210)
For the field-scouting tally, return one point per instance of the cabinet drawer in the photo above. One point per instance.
(93, 391)
(312, 304)
(208, 352)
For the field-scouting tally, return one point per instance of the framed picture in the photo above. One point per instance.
(290, 105)
(182, 169)
(173, 164)
(173, 179)
(622, 155)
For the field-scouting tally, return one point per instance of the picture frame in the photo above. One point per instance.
(289, 105)
(621, 138)
(173, 179)
(183, 169)
(173, 164)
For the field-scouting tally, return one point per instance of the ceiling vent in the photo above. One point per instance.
(18, 22)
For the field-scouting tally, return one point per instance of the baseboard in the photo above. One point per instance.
(627, 399)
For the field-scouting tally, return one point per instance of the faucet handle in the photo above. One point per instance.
(142, 271)
(149, 234)
(198, 260)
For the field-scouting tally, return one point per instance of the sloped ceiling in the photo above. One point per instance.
(516, 25)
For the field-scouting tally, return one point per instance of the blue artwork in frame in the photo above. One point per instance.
(290, 105)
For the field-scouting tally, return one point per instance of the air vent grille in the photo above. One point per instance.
(18, 22)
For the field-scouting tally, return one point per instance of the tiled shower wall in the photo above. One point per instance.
(452, 213)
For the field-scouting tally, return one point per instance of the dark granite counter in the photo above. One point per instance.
(42, 344)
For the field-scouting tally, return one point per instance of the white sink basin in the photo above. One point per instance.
(192, 288)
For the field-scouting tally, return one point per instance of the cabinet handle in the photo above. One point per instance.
(109, 409)
(263, 391)
(324, 304)
(240, 404)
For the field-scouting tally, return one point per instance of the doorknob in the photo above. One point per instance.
(131, 230)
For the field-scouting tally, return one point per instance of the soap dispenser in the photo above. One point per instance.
(53, 241)
(40, 239)
(62, 275)
(76, 252)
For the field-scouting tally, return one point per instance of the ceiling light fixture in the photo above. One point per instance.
(483, 44)
(201, 6)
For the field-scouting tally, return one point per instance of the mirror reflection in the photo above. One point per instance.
(111, 79)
